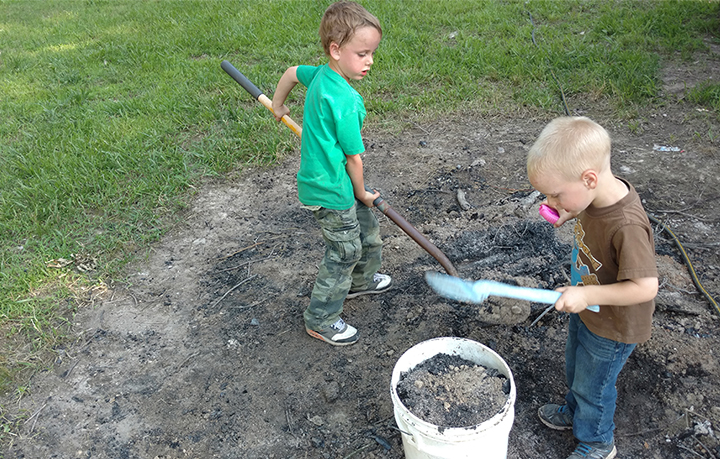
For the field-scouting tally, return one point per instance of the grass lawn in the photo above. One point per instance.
(114, 111)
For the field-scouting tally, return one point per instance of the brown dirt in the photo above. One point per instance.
(202, 353)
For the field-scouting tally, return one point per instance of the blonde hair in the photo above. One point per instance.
(569, 146)
(340, 22)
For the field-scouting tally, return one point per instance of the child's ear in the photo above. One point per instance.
(334, 50)
(590, 179)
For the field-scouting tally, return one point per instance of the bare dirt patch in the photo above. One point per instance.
(203, 352)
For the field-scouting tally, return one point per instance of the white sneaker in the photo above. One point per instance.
(380, 283)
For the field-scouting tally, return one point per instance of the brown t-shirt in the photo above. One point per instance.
(613, 244)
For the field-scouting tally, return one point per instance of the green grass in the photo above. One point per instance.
(707, 94)
(113, 109)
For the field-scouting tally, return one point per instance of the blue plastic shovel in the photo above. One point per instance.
(478, 291)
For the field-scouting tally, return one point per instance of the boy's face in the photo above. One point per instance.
(353, 60)
(572, 196)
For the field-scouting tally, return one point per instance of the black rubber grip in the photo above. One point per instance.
(241, 79)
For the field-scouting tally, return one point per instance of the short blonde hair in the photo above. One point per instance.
(340, 22)
(569, 146)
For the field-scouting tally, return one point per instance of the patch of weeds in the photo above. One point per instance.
(706, 94)
(6, 378)
(22, 391)
(9, 425)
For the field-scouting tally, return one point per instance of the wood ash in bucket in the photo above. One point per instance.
(450, 391)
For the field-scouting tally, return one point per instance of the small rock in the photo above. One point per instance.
(317, 442)
(317, 420)
(331, 391)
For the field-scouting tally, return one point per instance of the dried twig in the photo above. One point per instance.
(284, 231)
(67, 373)
(428, 190)
(548, 309)
(359, 451)
(689, 450)
(243, 264)
(704, 447)
(566, 276)
(250, 305)
(133, 297)
(228, 292)
(35, 415)
(251, 246)
(420, 127)
(117, 300)
(701, 245)
(287, 416)
(659, 429)
(187, 359)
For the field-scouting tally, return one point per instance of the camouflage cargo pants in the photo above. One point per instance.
(353, 251)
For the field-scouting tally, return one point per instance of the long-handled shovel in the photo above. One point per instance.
(379, 202)
(478, 291)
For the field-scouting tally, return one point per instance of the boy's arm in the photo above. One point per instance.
(354, 168)
(285, 85)
(625, 293)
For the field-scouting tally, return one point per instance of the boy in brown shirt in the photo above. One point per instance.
(613, 266)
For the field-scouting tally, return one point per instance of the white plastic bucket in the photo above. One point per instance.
(422, 440)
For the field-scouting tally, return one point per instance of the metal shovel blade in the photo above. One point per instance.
(453, 287)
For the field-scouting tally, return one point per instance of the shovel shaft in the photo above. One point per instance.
(535, 295)
(254, 91)
(422, 241)
(414, 234)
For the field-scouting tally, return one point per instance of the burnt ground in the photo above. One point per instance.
(202, 352)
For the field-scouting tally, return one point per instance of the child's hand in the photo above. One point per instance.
(562, 213)
(369, 197)
(564, 216)
(280, 111)
(572, 299)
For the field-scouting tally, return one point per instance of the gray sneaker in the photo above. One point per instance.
(381, 283)
(555, 417)
(594, 451)
(337, 334)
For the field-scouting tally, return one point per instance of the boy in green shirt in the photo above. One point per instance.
(330, 180)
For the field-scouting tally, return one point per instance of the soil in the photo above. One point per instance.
(203, 353)
(449, 391)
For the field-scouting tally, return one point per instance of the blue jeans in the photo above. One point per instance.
(592, 365)
(353, 254)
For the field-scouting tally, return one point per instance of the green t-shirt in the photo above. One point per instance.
(333, 116)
